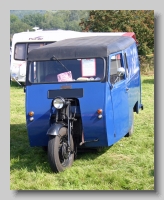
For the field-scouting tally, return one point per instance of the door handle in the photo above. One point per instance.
(127, 89)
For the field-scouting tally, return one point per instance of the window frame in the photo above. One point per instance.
(126, 65)
(101, 80)
(122, 64)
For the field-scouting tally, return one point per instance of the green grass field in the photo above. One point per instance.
(127, 165)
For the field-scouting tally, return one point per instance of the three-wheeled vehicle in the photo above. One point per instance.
(81, 93)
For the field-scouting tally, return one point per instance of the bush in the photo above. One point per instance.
(147, 63)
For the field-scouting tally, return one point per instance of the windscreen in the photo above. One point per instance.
(67, 70)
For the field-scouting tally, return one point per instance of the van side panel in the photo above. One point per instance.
(109, 117)
(133, 79)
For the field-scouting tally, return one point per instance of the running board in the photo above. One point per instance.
(95, 140)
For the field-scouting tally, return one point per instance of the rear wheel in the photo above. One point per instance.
(132, 127)
(60, 155)
(45, 148)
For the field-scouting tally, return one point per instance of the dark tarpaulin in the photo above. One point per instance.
(83, 47)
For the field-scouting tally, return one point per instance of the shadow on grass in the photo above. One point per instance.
(32, 159)
(151, 172)
(89, 153)
(149, 81)
(23, 156)
(16, 85)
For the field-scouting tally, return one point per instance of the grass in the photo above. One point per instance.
(127, 165)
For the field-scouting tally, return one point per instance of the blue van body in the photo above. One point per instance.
(117, 100)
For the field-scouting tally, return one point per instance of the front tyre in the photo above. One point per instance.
(60, 156)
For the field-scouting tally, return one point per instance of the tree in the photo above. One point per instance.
(16, 26)
(52, 21)
(21, 13)
(139, 21)
(13, 18)
(32, 20)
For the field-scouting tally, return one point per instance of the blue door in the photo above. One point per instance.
(119, 96)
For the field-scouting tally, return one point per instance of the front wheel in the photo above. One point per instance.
(60, 155)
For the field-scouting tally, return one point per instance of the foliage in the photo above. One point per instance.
(21, 13)
(147, 63)
(16, 26)
(33, 19)
(127, 165)
(139, 21)
(62, 19)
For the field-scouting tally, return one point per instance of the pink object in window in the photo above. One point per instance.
(66, 76)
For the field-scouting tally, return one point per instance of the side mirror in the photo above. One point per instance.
(120, 71)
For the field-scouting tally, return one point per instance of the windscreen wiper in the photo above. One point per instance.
(59, 62)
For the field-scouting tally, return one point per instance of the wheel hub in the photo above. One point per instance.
(65, 151)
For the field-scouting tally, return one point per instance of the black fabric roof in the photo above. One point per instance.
(83, 47)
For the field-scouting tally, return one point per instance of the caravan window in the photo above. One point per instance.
(21, 52)
(32, 46)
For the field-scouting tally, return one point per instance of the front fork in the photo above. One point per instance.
(69, 122)
(64, 118)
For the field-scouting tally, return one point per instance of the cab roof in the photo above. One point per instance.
(83, 47)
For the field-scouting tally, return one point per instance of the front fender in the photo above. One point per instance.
(54, 129)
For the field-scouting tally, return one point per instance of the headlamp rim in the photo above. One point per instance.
(61, 98)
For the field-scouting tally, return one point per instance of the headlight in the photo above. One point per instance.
(58, 103)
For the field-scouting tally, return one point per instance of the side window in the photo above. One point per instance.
(116, 62)
(20, 49)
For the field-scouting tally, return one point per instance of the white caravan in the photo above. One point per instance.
(24, 42)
